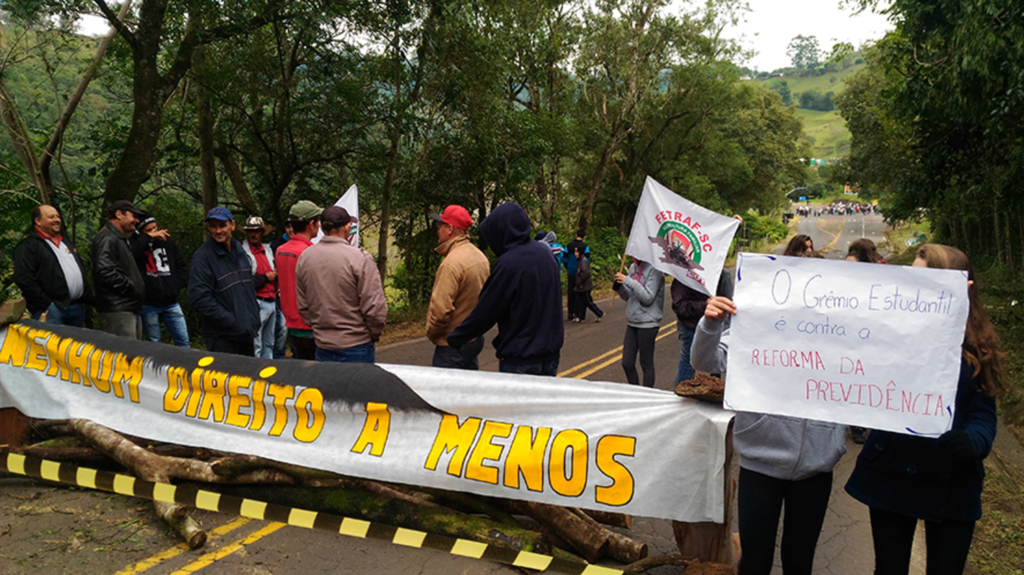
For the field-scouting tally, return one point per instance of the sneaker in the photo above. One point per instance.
(598, 319)
(575, 320)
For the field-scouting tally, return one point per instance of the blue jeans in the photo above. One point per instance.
(280, 335)
(365, 353)
(73, 315)
(462, 358)
(543, 368)
(685, 370)
(265, 338)
(172, 317)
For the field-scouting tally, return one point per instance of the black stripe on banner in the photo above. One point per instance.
(186, 495)
(144, 488)
(33, 467)
(439, 542)
(327, 522)
(567, 567)
(3, 460)
(105, 480)
(230, 504)
(500, 554)
(277, 513)
(68, 474)
(385, 532)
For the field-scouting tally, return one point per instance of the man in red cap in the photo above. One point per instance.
(457, 285)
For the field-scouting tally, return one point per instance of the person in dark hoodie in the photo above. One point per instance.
(164, 272)
(522, 295)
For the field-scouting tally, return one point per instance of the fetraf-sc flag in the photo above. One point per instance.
(680, 238)
(349, 201)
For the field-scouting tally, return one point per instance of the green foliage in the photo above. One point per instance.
(782, 87)
(815, 100)
(765, 228)
(803, 51)
(607, 247)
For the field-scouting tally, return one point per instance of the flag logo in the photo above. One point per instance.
(679, 244)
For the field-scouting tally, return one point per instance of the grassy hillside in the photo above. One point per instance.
(828, 130)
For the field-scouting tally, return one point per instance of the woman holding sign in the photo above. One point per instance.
(903, 478)
(783, 461)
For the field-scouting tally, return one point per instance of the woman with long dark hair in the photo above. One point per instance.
(800, 246)
(904, 478)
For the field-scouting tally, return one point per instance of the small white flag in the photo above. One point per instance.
(349, 201)
(680, 238)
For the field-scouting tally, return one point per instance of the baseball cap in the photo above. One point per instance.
(304, 210)
(334, 217)
(219, 213)
(125, 206)
(454, 215)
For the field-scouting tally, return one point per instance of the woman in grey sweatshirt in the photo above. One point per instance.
(643, 288)
(783, 461)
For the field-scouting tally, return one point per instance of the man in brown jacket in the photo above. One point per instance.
(457, 285)
(339, 293)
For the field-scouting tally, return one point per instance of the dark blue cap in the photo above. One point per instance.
(220, 213)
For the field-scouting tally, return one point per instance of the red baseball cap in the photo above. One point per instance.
(456, 216)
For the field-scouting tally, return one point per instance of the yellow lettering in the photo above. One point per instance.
(36, 352)
(451, 436)
(237, 400)
(309, 406)
(213, 395)
(78, 363)
(484, 450)
(57, 349)
(15, 346)
(106, 372)
(526, 457)
(259, 411)
(127, 372)
(620, 492)
(95, 368)
(566, 481)
(281, 394)
(375, 429)
(176, 396)
(195, 393)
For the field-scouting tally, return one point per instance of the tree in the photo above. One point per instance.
(782, 87)
(803, 51)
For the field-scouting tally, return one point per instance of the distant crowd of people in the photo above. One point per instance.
(838, 208)
(326, 302)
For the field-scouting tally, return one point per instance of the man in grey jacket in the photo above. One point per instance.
(120, 288)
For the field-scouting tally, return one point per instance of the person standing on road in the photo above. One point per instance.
(280, 326)
(784, 461)
(221, 289)
(643, 288)
(583, 288)
(800, 246)
(523, 295)
(688, 305)
(571, 264)
(557, 249)
(120, 289)
(339, 293)
(165, 272)
(264, 279)
(49, 272)
(904, 478)
(304, 217)
(457, 285)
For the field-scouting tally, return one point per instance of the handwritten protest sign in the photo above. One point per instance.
(861, 344)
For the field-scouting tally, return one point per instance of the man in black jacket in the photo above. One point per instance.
(50, 273)
(120, 289)
(221, 288)
(523, 295)
(164, 271)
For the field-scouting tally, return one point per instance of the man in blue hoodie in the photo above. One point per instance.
(523, 295)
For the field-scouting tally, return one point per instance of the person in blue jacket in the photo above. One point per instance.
(523, 295)
(903, 478)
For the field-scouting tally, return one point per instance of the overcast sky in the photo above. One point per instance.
(772, 24)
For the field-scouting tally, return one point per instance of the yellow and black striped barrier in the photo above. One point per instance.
(213, 501)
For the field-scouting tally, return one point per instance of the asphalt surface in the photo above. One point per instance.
(47, 530)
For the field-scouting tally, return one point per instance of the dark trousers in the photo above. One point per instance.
(639, 339)
(303, 347)
(760, 499)
(363, 353)
(466, 357)
(585, 301)
(948, 543)
(570, 301)
(542, 368)
(238, 345)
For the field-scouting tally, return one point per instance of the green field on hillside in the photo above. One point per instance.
(832, 82)
(831, 138)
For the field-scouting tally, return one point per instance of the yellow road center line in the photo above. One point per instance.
(615, 359)
(601, 357)
(209, 558)
(180, 548)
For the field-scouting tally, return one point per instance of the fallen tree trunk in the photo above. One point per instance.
(608, 518)
(620, 547)
(589, 538)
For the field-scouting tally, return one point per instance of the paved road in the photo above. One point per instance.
(833, 234)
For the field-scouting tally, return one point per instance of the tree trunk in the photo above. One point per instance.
(586, 537)
(207, 165)
(587, 210)
(23, 146)
(385, 203)
(237, 179)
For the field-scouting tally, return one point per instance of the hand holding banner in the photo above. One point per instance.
(680, 238)
(861, 344)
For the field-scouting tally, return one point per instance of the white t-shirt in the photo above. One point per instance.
(68, 264)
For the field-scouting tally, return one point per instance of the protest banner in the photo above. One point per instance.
(350, 201)
(568, 442)
(862, 344)
(680, 238)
